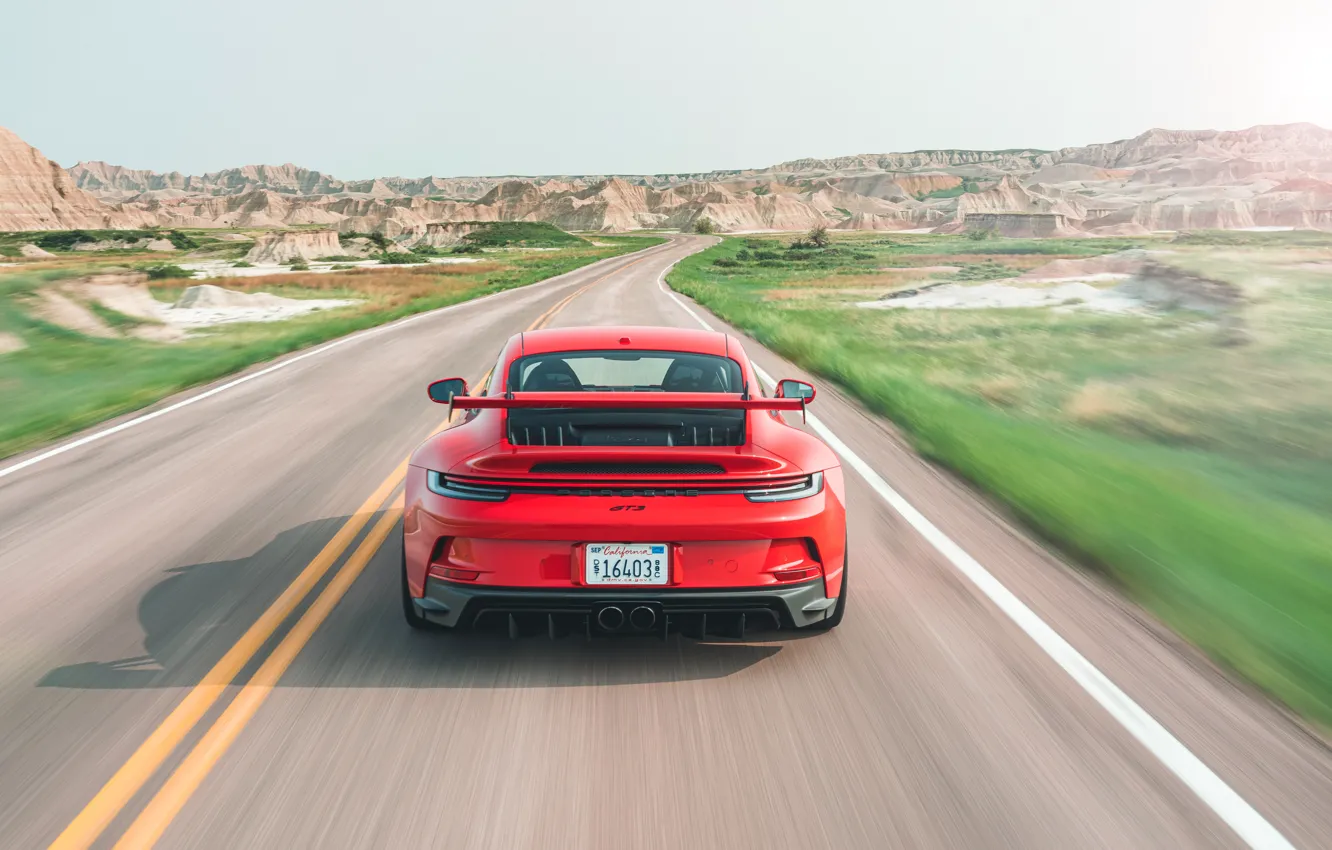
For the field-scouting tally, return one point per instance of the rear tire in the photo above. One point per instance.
(839, 610)
(409, 610)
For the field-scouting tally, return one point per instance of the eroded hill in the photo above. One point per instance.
(1266, 176)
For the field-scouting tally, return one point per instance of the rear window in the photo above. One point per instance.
(625, 371)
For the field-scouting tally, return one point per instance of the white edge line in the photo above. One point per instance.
(1223, 800)
(321, 349)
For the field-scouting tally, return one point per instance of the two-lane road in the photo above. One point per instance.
(200, 640)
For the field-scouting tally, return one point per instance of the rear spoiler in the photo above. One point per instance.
(641, 401)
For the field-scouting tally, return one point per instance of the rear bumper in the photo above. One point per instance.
(535, 542)
(788, 606)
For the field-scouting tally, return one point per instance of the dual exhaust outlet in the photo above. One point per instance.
(640, 618)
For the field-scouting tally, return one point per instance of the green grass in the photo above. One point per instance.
(1197, 476)
(1257, 239)
(116, 319)
(64, 381)
(953, 192)
(968, 186)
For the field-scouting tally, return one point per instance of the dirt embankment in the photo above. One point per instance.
(119, 305)
(1105, 266)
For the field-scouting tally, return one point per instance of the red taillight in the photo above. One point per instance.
(457, 575)
(791, 560)
(798, 575)
(449, 554)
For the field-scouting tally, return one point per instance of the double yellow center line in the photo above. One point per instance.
(152, 822)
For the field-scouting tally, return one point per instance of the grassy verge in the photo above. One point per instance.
(1195, 472)
(63, 381)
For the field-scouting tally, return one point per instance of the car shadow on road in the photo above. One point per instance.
(194, 615)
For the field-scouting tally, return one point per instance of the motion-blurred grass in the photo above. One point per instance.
(1194, 471)
(63, 381)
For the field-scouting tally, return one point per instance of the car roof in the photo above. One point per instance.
(640, 337)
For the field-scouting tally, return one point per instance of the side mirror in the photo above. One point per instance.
(791, 388)
(442, 392)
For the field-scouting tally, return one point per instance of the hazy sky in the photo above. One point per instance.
(416, 87)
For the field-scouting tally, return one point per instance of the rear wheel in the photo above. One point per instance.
(409, 610)
(839, 610)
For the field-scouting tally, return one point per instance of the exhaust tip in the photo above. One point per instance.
(610, 618)
(642, 618)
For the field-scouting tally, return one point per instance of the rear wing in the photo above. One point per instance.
(631, 400)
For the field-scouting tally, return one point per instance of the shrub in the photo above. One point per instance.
(818, 236)
(241, 264)
(984, 270)
(182, 241)
(398, 258)
(63, 240)
(726, 263)
(705, 226)
(743, 254)
(300, 266)
(767, 255)
(466, 248)
(980, 234)
(379, 240)
(529, 234)
(801, 245)
(166, 271)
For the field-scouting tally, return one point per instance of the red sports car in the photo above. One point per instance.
(632, 479)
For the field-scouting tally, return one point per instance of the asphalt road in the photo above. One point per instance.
(135, 568)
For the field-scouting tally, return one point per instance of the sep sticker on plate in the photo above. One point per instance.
(625, 563)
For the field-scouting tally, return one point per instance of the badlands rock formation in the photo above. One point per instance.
(119, 183)
(1267, 176)
(37, 194)
(283, 246)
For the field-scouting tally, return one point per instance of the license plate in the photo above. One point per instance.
(626, 563)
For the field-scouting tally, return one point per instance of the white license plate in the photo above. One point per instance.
(626, 563)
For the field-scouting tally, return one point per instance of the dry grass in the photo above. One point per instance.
(364, 279)
(1019, 262)
(1098, 402)
(881, 279)
(1115, 407)
(1002, 390)
(823, 294)
(388, 286)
